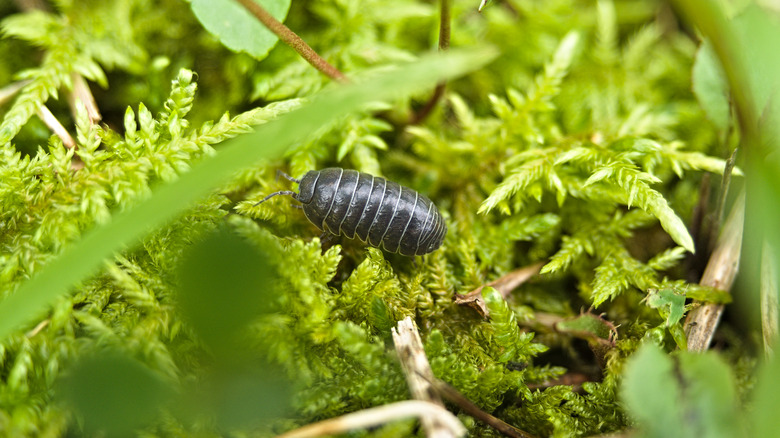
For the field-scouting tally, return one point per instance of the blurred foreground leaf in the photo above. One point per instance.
(224, 283)
(692, 398)
(764, 418)
(710, 87)
(113, 393)
(239, 396)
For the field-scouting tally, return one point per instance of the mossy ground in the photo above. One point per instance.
(581, 146)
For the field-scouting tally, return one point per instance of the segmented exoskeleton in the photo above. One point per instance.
(379, 212)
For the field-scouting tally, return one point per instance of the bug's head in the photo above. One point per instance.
(307, 185)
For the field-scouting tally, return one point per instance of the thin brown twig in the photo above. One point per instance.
(725, 185)
(454, 396)
(38, 328)
(720, 273)
(769, 301)
(418, 373)
(10, 90)
(29, 5)
(293, 40)
(375, 416)
(573, 379)
(504, 285)
(444, 45)
(82, 93)
(48, 118)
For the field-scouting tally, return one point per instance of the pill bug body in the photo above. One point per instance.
(379, 212)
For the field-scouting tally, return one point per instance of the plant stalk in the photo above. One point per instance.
(444, 44)
(293, 40)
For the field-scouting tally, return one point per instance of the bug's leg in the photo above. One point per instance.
(286, 176)
(283, 192)
(327, 240)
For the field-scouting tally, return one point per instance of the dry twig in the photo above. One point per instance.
(82, 93)
(376, 416)
(504, 285)
(444, 44)
(769, 304)
(721, 270)
(56, 127)
(10, 90)
(573, 379)
(454, 396)
(419, 374)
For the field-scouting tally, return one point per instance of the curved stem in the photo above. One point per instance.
(444, 44)
(379, 415)
(293, 40)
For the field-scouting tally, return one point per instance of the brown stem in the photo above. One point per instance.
(769, 301)
(573, 379)
(720, 207)
(720, 273)
(504, 285)
(376, 416)
(37, 329)
(444, 26)
(82, 93)
(426, 110)
(444, 44)
(415, 365)
(9, 91)
(293, 40)
(454, 396)
(56, 127)
(31, 5)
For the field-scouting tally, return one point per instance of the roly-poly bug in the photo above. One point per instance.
(379, 212)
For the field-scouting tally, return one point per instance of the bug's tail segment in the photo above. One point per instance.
(282, 192)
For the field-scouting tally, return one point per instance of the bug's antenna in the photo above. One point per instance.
(286, 176)
(282, 192)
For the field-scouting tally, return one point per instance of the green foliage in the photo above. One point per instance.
(114, 393)
(710, 87)
(573, 152)
(697, 396)
(236, 28)
(507, 341)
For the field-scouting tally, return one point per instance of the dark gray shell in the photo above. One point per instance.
(377, 211)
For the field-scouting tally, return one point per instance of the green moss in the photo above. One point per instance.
(581, 142)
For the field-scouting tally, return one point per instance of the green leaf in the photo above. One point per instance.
(669, 303)
(695, 400)
(238, 395)
(667, 259)
(764, 418)
(706, 293)
(758, 34)
(509, 343)
(589, 327)
(710, 86)
(236, 28)
(650, 393)
(241, 275)
(35, 26)
(113, 393)
(710, 396)
(670, 222)
(170, 200)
